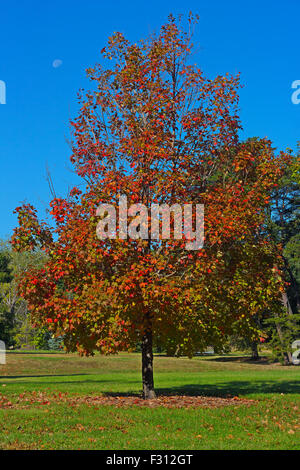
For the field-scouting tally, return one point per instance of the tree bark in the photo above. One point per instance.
(147, 366)
(286, 303)
(294, 284)
(287, 356)
(254, 349)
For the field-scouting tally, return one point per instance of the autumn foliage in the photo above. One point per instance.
(155, 129)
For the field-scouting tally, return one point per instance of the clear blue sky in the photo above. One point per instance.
(260, 39)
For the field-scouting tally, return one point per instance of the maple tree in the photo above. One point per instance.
(155, 129)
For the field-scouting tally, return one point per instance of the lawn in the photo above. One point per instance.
(58, 401)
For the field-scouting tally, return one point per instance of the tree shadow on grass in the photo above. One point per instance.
(234, 388)
(8, 377)
(223, 390)
(242, 359)
(64, 382)
(262, 360)
(37, 352)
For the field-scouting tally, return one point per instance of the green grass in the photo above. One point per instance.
(272, 422)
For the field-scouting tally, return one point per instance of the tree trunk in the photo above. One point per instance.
(147, 366)
(287, 356)
(286, 303)
(255, 355)
(294, 284)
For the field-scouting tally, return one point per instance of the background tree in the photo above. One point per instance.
(15, 324)
(283, 227)
(156, 130)
(283, 224)
(6, 307)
